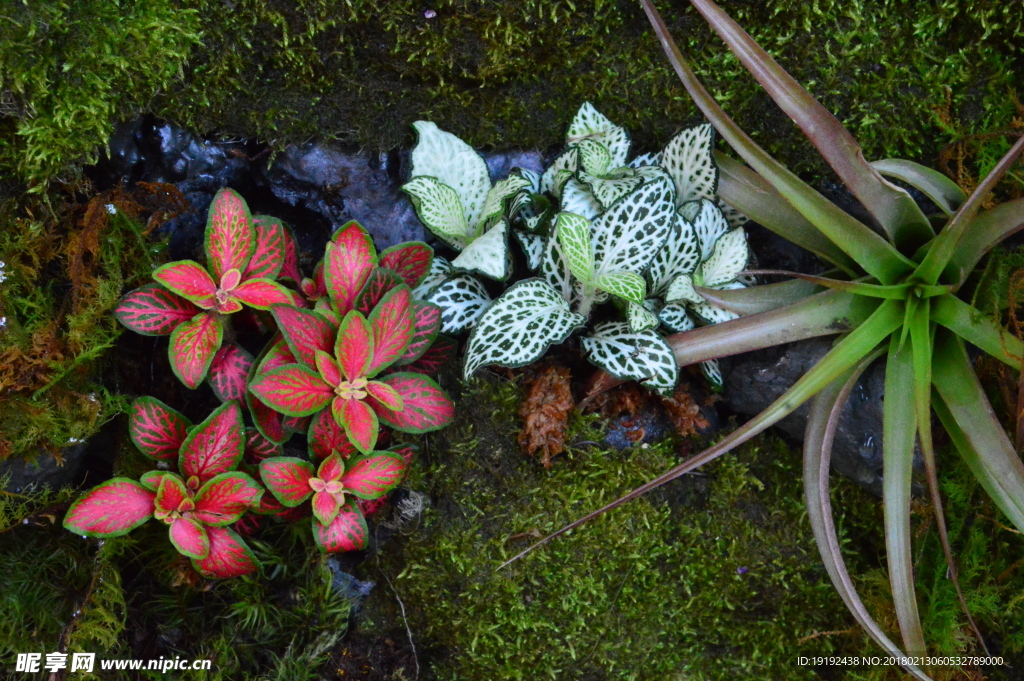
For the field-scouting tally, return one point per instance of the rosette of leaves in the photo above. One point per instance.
(335, 488)
(198, 502)
(359, 355)
(897, 295)
(193, 304)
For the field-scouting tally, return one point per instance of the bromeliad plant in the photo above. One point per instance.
(595, 228)
(895, 295)
(198, 503)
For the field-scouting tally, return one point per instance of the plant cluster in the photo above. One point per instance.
(337, 372)
(647, 235)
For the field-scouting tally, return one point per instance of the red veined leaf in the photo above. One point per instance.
(370, 506)
(153, 310)
(291, 515)
(373, 475)
(261, 293)
(359, 422)
(229, 371)
(269, 505)
(170, 494)
(152, 479)
(326, 436)
(331, 468)
(193, 346)
(189, 280)
(276, 354)
(379, 282)
(215, 446)
(112, 509)
(348, 261)
(268, 257)
(296, 424)
(425, 406)
(224, 499)
(156, 429)
(229, 556)
(190, 538)
(290, 269)
(385, 395)
(305, 332)
(407, 452)
(268, 421)
(328, 368)
(293, 390)
(348, 532)
(325, 507)
(287, 478)
(392, 325)
(258, 447)
(410, 260)
(230, 237)
(426, 324)
(438, 355)
(354, 346)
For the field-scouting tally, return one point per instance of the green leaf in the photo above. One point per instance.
(440, 209)
(712, 314)
(985, 231)
(944, 192)
(746, 301)
(975, 327)
(574, 236)
(487, 255)
(641, 317)
(532, 246)
(519, 326)
(590, 124)
(462, 300)
(687, 158)
(630, 233)
(444, 156)
(632, 355)
(626, 285)
(498, 197)
(595, 159)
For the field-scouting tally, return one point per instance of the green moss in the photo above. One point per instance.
(713, 577)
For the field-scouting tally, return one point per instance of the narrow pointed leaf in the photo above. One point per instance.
(261, 294)
(755, 299)
(189, 280)
(154, 311)
(373, 475)
(214, 446)
(348, 261)
(326, 436)
(230, 237)
(985, 231)
(112, 509)
(975, 327)
(392, 325)
(425, 407)
(411, 260)
(287, 478)
(193, 346)
(359, 421)
(305, 332)
(269, 255)
(293, 390)
(156, 429)
(229, 556)
(944, 192)
(380, 282)
(229, 372)
(348, 532)
(223, 500)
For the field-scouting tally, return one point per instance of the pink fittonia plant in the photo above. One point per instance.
(336, 487)
(197, 503)
(191, 302)
(354, 366)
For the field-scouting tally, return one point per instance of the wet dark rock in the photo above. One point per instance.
(755, 380)
(500, 164)
(44, 471)
(346, 585)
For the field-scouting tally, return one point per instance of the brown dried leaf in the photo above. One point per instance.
(545, 413)
(683, 411)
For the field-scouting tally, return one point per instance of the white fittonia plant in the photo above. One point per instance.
(649, 235)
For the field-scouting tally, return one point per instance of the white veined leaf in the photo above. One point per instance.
(530, 176)
(727, 260)
(681, 288)
(610, 188)
(555, 269)
(626, 285)
(732, 216)
(440, 269)
(520, 326)
(675, 317)
(500, 193)
(680, 255)
(640, 317)
(576, 198)
(488, 255)
(440, 209)
(709, 224)
(589, 123)
(532, 212)
(574, 236)
(653, 159)
(562, 168)
(595, 159)
(532, 246)
(628, 235)
(687, 158)
(639, 355)
(711, 314)
(712, 372)
(651, 173)
(462, 300)
(444, 156)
